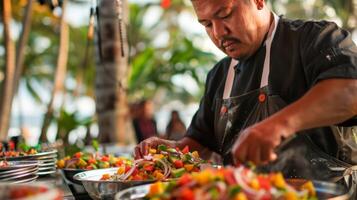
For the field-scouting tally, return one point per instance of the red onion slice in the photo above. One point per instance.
(246, 188)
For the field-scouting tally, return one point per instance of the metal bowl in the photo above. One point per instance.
(324, 190)
(99, 189)
(69, 173)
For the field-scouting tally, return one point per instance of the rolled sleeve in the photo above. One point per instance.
(331, 54)
(201, 128)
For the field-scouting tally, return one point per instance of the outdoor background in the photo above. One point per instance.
(51, 67)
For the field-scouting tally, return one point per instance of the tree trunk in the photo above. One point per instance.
(60, 73)
(20, 53)
(111, 72)
(8, 84)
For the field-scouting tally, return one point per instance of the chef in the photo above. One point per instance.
(284, 98)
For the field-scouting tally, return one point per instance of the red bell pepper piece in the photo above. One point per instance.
(178, 164)
(264, 183)
(187, 194)
(78, 154)
(105, 159)
(185, 150)
(229, 177)
(186, 178)
(149, 168)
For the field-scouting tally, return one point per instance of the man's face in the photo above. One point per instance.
(231, 24)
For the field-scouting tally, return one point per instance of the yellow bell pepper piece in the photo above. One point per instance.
(158, 156)
(240, 196)
(156, 188)
(255, 184)
(203, 177)
(60, 164)
(310, 188)
(188, 167)
(121, 170)
(278, 180)
(290, 196)
(195, 154)
(152, 151)
(159, 176)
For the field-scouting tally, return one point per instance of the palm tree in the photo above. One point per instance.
(60, 74)
(8, 85)
(24, 36)
(111, 71)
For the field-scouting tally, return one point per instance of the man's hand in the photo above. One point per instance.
(258, 142)
(143, 147)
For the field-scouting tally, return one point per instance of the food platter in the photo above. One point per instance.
(12, 165)
(46, 161)
(19, 171)
(325, 190)
(36, 156)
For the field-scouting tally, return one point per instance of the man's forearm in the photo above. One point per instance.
(329, 102)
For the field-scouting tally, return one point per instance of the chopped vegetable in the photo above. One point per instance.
(90, 161)
(161, 163)
(246, 184)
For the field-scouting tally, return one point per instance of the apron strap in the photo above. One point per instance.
(230, 78)
(264, 81)
(268, 42)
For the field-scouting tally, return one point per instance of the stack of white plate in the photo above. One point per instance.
(46, 161)
(19, 172)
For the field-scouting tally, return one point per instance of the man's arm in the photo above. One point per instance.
(328, 102)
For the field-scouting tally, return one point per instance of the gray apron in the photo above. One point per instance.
(297, 158)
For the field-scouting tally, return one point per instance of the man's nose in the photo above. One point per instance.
(219, 30)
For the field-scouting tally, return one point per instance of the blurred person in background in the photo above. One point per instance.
(143, 121)
(175, 129)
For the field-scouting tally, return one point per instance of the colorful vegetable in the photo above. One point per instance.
(161, 163)
(230, 184)
(90, 161)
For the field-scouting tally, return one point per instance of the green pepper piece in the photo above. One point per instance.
(214, 193)
(81, 163)
(86, 157)
(171, 150)
(162, 147)
(233, 190)
(178, 172)
(172, 158)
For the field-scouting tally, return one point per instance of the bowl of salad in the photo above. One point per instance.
(233, 184)
(84, 161)
(162, 163)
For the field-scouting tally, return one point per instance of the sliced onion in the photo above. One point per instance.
(71, 161)
(129, 173)
(132, 169)
(148, 157)
(246, 188)
(168, 172)
(166, 167)
(222, 187)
